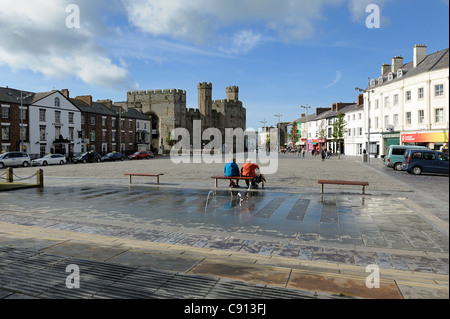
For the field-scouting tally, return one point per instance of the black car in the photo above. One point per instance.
(114, 156)
(86, 157)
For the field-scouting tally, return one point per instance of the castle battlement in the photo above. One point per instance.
(152, 92)
(205, 85)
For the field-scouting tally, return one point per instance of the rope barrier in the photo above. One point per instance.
(24, 178)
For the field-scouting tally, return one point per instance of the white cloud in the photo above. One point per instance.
(199, 21)
(34, 37)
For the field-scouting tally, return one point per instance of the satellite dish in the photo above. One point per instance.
(390, 128)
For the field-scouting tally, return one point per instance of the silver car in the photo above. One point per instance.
(50, 159)
(14, 159)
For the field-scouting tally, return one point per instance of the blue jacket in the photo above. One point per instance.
(231, 169)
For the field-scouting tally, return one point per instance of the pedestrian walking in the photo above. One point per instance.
(323, 155)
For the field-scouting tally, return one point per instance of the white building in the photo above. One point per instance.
(409, 102)
(54, 125)
(355, 138)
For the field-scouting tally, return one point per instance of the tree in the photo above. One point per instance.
(322, 131)
(339, 130)
(294, 134)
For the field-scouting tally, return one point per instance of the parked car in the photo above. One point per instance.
(395, 154)
(14, 159)
(141, 155)
(425, 161)
(91, 156)
(50, 159)
(114, 156)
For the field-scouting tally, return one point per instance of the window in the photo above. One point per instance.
(42, 115)
(390, 76)
(57, 103)
(92, 120)
(71, 118)
(376, 122)
(420, 93)
(408, 96)
(122, 124)
(360, 116)
(399, 73)
(386, 101)
(421, 116)
(416, 155)
(395, 120)
(396, 99)
(57, 117)
(429, 156)
(443, 157)
(439, 90)
(360, 131)
(386, 121)
(439, 115)
(104, 135)
(71, 133)
(113, 136)
(408, 118)
(92, 135)
(104, 121)
(42, 133)
(349, 132)
(57, 132)
(82, 119)
(5, 112)
(377, 104)
(113, 122)
(130, 137)
(5, 133)
(130, 124)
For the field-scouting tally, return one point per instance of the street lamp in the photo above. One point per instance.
(307, 107)
(22, 113)
(368, 91)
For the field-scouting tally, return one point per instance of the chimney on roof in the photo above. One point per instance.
(107, 103)
(86, 99)
(385, 68)
(303, 115)
(65, 92)
(360, 99)
(420, 53)
(397, 63)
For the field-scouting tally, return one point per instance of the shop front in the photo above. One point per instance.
(434, 141)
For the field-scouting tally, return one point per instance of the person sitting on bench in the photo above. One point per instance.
(252, 170)
(232, 169)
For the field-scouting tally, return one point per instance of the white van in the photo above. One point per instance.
(14, 159)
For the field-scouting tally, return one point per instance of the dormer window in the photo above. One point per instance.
(399, 73)
(380, 79)
(57, 101)
(390, 76)
(373, 82)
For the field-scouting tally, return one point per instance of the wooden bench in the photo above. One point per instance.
(363, 184)
(233, 177)
(142, 174)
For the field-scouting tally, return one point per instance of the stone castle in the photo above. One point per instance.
(168, 111)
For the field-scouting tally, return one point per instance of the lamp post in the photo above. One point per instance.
(368, 91)
(22, 113)
(306, 107)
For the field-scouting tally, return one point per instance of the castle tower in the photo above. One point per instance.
(205, 103)
(232, 93)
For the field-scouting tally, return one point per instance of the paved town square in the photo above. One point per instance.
(277, 237)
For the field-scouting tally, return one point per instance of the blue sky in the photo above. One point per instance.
(282, 54)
